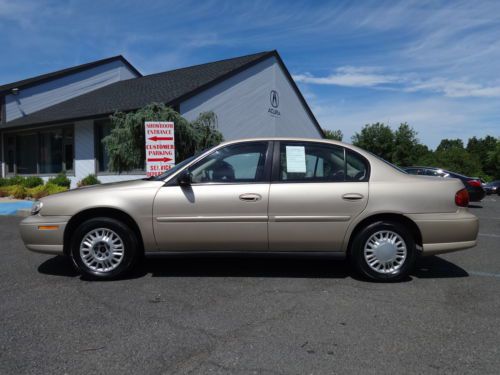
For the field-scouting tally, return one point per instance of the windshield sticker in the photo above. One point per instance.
(295, 159)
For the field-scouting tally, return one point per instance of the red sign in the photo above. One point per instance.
(160, 147)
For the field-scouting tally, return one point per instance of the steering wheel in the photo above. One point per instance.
(359, 176)
(223, 172)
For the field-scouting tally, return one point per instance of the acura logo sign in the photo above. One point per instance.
(274, 99)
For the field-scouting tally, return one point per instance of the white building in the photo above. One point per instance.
(56, 121)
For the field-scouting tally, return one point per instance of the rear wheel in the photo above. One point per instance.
(104, 248)
(383, 251)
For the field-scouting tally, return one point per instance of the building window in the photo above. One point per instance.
(102, 129)
(26, 155)
(10, 151)
(47, 151)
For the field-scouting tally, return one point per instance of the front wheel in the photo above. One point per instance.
(383, 251)
(104, 248)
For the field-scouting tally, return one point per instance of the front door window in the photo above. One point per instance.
(242, 163)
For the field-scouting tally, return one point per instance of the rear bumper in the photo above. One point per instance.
(440, 248)
(44, 234)
(443, 233)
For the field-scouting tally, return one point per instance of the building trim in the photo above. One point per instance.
(3, 110)
(37, 80)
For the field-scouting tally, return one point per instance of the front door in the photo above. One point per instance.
(223, 208)
(317, 190)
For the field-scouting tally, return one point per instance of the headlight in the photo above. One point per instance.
(37, 206)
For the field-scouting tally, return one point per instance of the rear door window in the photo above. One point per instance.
(318, 162)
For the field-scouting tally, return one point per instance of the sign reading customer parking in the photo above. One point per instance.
(160, 147)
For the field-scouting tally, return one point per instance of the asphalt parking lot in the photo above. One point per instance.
(252, 315)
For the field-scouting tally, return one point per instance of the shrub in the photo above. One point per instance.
(38, 192)
(27, 182)
(4, 191)
(18, 191)
(7, 191)
(60, 180)
(91, 179)
(32, 181)
(16, 180)
(44, 190)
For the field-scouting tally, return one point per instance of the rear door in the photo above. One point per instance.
(316, 191)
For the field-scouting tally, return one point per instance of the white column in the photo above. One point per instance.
(3, 171)
(84, 150)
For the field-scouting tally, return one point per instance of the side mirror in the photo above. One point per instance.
(184, 179)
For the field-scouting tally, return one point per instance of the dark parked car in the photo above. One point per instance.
(472, 184)
(492, 187)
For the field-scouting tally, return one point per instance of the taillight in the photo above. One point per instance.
(475, 183)
(462, 198)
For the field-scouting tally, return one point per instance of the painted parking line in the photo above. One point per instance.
(489, 200)
(486, 274)
(490, 235)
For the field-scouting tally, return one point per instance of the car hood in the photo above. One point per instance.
(114, 185)
(116, 194)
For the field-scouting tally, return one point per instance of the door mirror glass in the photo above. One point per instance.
(184, 179)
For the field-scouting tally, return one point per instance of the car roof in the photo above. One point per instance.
(365, 153)
(293, 139)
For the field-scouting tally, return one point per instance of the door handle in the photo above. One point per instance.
(250, 197)
(352, 196)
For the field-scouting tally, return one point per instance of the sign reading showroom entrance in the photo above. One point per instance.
(160, 147)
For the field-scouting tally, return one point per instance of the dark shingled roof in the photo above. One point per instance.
(64, 72)
(169, 87)
(172, 88)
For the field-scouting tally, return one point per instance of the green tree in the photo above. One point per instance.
(376, 138)
(482, 148)
(493, 159)
(407, 147)
(447, 144)
(126, 141)
(457, 159)
(336, 135)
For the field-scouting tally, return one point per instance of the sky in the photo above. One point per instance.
(432, 64)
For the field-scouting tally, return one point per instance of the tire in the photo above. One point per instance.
(103, 248)
(383, 251)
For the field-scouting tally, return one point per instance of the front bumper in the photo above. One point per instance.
(443, 233)
(44, 234)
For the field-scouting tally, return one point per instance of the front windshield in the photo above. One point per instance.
(176, 167)
(172, 170)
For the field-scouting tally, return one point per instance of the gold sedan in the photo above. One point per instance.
(278, 195)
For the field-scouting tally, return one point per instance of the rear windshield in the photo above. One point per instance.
(388, 163)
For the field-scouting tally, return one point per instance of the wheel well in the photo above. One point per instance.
(113, 213)
(407, 222)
